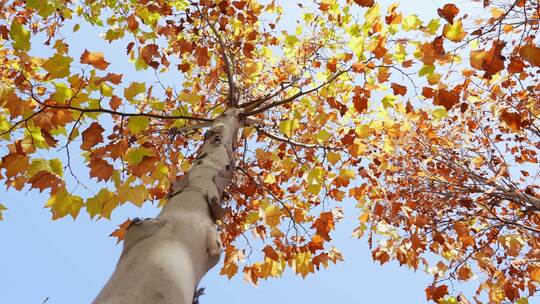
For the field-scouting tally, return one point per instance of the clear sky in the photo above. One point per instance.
(69, 261)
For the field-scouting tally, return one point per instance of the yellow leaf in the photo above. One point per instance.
(229, 269)
(315, 180)
(323, 135)
(303, 263)
(101, 204)
(20, 36)
(137, 124)
(134, 89)
(288, 126)
(454, 31)
(58, 66)
(2, 208)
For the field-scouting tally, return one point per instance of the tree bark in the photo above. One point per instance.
(164, 259)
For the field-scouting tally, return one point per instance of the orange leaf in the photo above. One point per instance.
(101, 169)
(92, 136)
(531, 53)
(446, 99)
(324, 224)
(113, 78)
(448, 12)
(120, 233)
(115, 102)
(15, 163)
(365, 3)
(95, 59)
(512, 120)
(45, 179)
(436, 293)
(269, 252)
(398, 89)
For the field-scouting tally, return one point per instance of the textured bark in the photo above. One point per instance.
(163, 259)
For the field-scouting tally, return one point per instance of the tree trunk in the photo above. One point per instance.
(163, 259)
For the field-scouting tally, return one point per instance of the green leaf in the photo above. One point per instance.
(315, 180)
(102, 204)
(58, 66)
(439, 113)
(63, 92)
(2, 208)
(135, 155)
(20, 36)
(288, 126)
(323, 135)
(134, 89)
(137, 124)
(388, 101)
(426, 69)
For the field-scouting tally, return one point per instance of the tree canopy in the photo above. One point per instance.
(430, 127)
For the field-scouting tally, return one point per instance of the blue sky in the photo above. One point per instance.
(69, 261)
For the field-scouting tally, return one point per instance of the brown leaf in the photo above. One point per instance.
(446, 98)
(398, 89)
(45, 179)
(100, 169)
(248, 50)
(512, 120)
(324, 224)
(92, 136)
(113, 78)
(95, 59)
(365, 3)
(133, 25)
(531, 53)
(115, 102)
(448, 12)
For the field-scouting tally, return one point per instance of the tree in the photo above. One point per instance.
(432, 127)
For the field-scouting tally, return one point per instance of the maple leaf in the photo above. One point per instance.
(120, 232)
(399, 89)
(448, 12)
(100, 169)
(365, 3)
(512, 120)
(446, 98)
(44, 179)
(2, 209)
(58, 66)
(95, 59)
(92, 136)
(15, 163)
(531, 53)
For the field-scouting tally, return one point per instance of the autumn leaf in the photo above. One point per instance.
(365, 3)
(20, 36)
(100, 169)
(44, 179)
(399, 89)
(92, 136)
(448, 12)
(95, 59)
(2, 209)
(58, 66)
(454, 31)
(120, 232)
(512, 120)
(531, 53)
